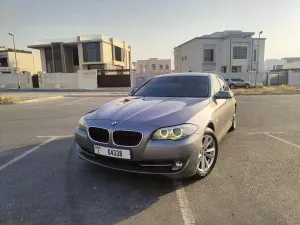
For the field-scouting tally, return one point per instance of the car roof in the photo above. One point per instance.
(188, 74)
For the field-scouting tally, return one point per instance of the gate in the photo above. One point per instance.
(113, 78)
(278, 78)
(35, 81)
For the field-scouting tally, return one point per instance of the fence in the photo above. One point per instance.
(113, 78)
(246, 76)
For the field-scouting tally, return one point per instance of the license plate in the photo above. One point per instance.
(112, 152)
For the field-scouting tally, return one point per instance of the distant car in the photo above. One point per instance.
(236, 82)
(170, 126)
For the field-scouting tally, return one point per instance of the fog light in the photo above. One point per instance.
(177, 165)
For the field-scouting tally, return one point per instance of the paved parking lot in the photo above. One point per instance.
(256, 179)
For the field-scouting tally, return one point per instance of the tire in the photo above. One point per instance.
(200, 172)
(247, 86)
(233, 124)
(231, 86)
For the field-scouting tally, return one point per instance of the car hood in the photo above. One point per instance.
(156, 111)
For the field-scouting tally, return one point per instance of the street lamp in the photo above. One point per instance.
(15, 59)
(257, 64)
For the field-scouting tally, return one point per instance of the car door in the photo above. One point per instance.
(239, 83)
(242, 82)
(219, 118)
(229, 107)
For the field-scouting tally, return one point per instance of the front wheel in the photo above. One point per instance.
(231, 86)
(208, 154)
(247, 86)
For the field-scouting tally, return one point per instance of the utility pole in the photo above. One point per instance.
(16, 59)
(257, 64)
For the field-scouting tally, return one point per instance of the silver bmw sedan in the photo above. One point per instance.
(172, 126)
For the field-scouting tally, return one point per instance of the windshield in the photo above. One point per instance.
(176, 86)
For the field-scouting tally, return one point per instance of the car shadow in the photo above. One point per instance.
(110, 196)
(53, 186)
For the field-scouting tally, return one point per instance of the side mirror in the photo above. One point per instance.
(223, 95)
(132, 91)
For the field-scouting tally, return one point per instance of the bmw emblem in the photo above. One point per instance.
(114, 123)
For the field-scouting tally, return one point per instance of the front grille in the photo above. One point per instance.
(99, 134)
(127, 138)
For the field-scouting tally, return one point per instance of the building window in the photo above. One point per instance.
(57, 58)
(49, 60)
(223, 69)
(254, 55)
(236, 69)
(167, 67)
(3, 62)
(146, 67)
(91, 52)
(161, 66)
(184, 57)
(118, 54)
(75, 56)
(153, 66)
(239, 52)
(208, 55)
(141, 68)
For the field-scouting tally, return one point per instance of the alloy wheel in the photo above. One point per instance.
(207, 153)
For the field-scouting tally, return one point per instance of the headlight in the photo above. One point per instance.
(82, 124)
(175, 133)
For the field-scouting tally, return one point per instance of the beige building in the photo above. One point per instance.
(83, 52)
(152, 64)
(26, 61)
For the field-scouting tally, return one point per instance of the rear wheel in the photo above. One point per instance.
(247, 86)
(231, 86)
(208, 154)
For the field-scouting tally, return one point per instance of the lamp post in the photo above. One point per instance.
(257, 64)
(15, 59)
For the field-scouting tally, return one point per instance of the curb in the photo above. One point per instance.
(41, 99)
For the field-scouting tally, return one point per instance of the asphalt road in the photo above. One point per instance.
(255, 181)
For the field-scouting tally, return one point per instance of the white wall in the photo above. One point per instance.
(294, 78)
(292, 65)
(43, 60)
(8, 80)
(64, 80)
(261, 43)
(192, 52)
(87, 79)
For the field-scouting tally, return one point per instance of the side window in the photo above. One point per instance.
(216, 84)
(223, 84)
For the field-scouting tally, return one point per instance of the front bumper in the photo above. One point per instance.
(149, 157)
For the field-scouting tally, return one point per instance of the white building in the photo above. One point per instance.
(83, 52)
(292, 63)
(152, 64)
(225, 52)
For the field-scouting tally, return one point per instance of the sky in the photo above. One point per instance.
(152, 27)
